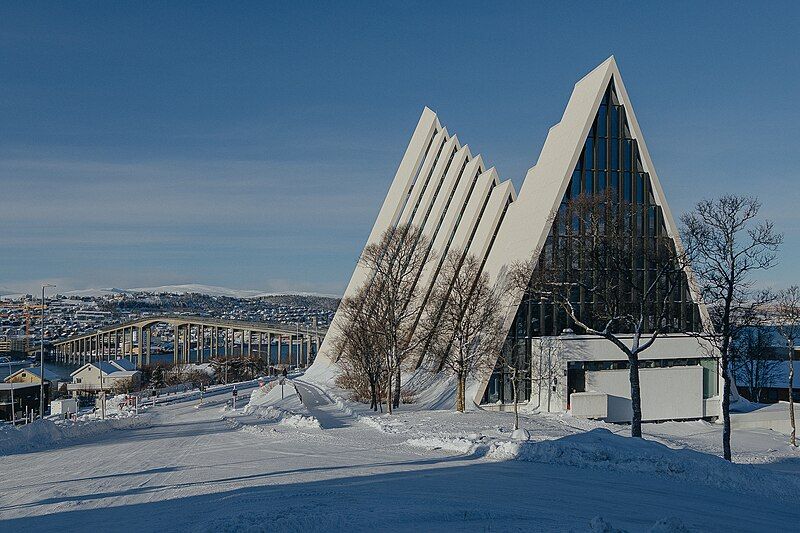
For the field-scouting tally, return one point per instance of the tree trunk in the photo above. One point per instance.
(460, 394)
(389, 392)
(726, 378)
(464, 393)
(726, 407)
(636, 396)
(793, 438)
(397, 389)
(516, 404)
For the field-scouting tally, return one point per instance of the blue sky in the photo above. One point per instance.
(250, 145)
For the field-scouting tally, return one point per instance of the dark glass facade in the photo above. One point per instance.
(610, 173)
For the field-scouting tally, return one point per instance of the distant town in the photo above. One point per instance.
(70, 315)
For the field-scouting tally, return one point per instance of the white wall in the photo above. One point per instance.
(667, 393)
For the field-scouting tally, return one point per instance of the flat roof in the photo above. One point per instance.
(17, 386)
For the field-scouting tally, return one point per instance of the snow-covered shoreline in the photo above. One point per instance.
(44, 434)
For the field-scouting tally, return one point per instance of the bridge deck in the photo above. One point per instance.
(256, 327)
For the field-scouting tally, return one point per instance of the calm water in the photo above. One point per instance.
(63, 371)
(59, 370)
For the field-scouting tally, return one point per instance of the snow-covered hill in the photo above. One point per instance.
(191, 288)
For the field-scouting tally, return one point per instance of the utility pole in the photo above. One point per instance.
(308, 345)
(13, 414)
(102, 393)
(41, 359)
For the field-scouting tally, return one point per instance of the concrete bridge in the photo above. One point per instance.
(195, 340)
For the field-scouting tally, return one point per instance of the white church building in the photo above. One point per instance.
(459, 203)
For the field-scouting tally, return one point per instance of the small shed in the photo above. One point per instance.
(64, 407)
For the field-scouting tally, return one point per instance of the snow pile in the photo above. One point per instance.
(341, 404)
(285, 418)
(300, 421)
(116, 407)
(47, 433)
(604, 450)
(284, 407)
(373, 422)
(384, 424)
(451, 444)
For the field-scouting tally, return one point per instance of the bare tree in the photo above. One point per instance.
(122, 386)
(726, 247)
(395, 302)
(469, 319)
(627, 282)
(361, 353)
(753, 361)
(546, 365)
(788, 315)
(509, 360)
(198, 378)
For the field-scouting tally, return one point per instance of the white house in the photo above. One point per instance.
(104, 375)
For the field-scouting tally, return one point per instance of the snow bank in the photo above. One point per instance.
(456, 444)
(285, 418)
(48, 433)
(283, 407)
(116, 407)
(383, 423)
(604, 450)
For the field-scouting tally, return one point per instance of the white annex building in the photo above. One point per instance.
(596, 149)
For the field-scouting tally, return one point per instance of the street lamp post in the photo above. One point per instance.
(41, 359)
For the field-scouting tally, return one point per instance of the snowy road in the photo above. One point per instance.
(195, 470)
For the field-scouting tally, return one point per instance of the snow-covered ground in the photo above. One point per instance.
(309, 461)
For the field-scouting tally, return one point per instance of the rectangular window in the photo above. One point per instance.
(640, 188)
(601, 154)
(588, 182)
(614, 154)
(626, 187)
(651, 221)
(613, 184)
(709, 377)
(601, 181)
(627, 146)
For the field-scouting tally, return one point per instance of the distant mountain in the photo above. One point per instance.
(191, 288)
(209, 290)
(8, 294)
(94, 292)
